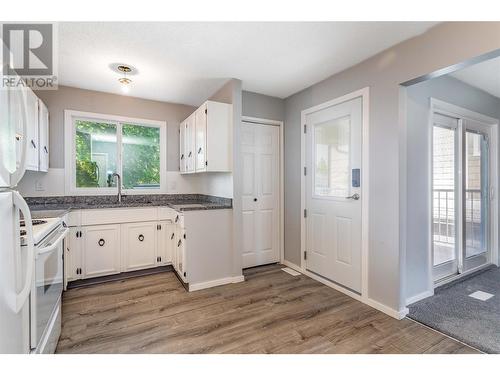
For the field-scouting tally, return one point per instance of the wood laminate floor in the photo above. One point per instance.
(271, 312)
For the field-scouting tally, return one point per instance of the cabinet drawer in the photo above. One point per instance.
(118, 215)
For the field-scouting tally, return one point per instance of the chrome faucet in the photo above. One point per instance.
(119, 185)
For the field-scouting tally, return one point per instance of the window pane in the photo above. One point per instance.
(475, 200)
(95, 154)
(141, 157)
(332, 157)
(443, 176)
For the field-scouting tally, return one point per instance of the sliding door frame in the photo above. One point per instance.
(447, 109)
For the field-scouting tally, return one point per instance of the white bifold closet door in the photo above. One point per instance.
(260, 198)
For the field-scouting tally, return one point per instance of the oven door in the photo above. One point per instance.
(47, 283)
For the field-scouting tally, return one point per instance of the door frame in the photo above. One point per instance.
(449, 109)
(364, 94)
(281, 209)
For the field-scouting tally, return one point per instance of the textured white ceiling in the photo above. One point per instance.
(484, 76)
(187, 62)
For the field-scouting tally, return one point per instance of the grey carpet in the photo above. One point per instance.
(469, 320)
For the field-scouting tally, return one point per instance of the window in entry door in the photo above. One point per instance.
(332, 160)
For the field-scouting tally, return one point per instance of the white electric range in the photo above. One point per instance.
(47, 285)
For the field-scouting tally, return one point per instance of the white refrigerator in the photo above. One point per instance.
(16, 261)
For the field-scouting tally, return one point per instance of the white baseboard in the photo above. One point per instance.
(293, 266)
(212, 283)
(418, 297)
(372, 303)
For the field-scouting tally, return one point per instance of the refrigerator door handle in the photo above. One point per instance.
(19, 173)
(21, 297)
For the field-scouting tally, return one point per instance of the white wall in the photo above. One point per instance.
(418, 146)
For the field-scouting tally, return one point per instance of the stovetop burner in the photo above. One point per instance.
(34, 222)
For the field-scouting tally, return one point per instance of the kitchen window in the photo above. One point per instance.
(99, 146)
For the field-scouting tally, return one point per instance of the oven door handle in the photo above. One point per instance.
(54, 245)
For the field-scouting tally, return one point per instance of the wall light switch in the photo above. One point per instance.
(39, 186)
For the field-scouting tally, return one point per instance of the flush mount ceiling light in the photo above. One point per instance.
(124, 80)
(125, 71)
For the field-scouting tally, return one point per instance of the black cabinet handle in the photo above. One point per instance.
(177, 218)
(190, 153)
(33, 143)
(45, 149)
(141, 237)
(101, 242)
(172, 236)
(179, 243)
(199, 150)
(182, 156)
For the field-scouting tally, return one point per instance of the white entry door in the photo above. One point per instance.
(260, 149)
(333, 193)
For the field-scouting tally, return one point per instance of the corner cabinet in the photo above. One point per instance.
(206, 139)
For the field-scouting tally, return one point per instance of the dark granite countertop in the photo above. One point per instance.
(179, 202)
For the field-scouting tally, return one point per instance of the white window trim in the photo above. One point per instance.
(69, 153)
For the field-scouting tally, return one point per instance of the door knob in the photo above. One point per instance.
(354, 197)
(255, 199)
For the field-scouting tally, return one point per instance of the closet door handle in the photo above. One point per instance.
(141, 237)
(101, 242)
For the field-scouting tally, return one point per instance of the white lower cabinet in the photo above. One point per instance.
(166, 242)
(101, 250)
(180, 254)
(139, 246)
(73, 255)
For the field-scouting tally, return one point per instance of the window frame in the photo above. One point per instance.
(70, 118)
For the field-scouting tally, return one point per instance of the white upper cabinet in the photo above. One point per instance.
(43, 136)
(32, 131)
(182, 147)
(207, 139)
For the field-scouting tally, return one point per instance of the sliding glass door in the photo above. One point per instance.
(460, 199)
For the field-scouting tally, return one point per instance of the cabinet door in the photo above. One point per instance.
(181, 254)
(43, 129)
(201, 138)
(190, 144)
(101, 250)
(182, 147)
(166, 242)
(32, 131)
(139, 245)
(73, 255)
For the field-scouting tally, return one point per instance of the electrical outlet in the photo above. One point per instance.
(39, 186)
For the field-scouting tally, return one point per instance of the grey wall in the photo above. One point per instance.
(444, 45)
(231, 93)
(93, 101)
(263, 106)
(455, 92)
